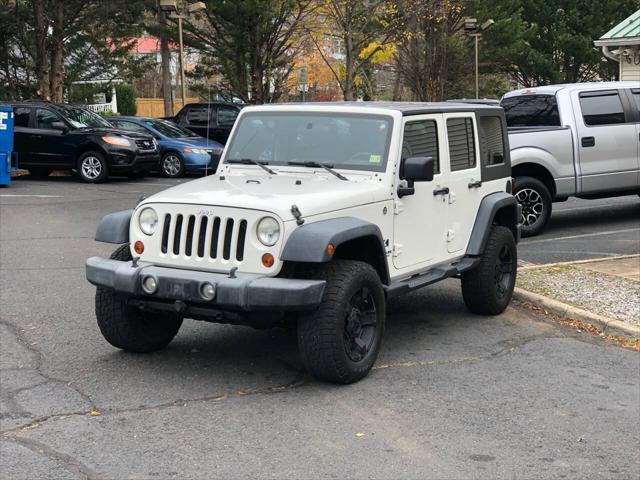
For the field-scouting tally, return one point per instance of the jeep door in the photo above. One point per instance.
(464, 183)
(607, 141)
(419, 222)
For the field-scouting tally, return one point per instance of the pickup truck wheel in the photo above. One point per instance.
(535, 200)
(92, 168)
(129, 328)
(487, 289)
(339, 342)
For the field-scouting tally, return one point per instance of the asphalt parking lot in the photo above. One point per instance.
(453, 395)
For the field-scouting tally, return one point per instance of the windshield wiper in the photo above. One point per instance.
(327, 167)
(250, 161)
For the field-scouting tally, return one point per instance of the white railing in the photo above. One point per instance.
(100, 107)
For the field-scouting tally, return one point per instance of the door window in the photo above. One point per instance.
(227, 116)
(421, 140)
(462, 148)
(635, 94)
(602, 108)
(531, 111)
(44, 119)
(199, 116)
(21, 117)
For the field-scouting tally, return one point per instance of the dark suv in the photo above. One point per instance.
(51, 136)
(209, 120)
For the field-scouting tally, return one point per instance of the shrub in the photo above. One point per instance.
(126, 99)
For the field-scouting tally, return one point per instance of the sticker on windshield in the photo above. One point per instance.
(375, 158)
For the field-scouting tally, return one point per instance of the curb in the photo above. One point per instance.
(576, 262)
(608, 326)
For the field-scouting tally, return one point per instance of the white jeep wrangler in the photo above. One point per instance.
(318, 214)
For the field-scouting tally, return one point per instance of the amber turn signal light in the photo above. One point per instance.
(331, 249)
(138, 247)
(268, 260)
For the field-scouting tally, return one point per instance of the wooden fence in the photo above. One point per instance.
(154, 107)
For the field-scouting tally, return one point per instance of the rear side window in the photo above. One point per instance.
(199, 116)
(531, 111)
(491, 140)
(462, 149)
(227, 116)
(602, 108)
(421, 140)
(21, 117)
(635, 94)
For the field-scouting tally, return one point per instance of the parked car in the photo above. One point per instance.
(181, 151)
(210, 120)
(577, 140)
(318, 215)
(50, 136)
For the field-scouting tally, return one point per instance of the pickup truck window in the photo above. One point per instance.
(635, 94)
(602, 108)
(531, 111)
(227, 116)
(421, 140)
(491, 140)
(462, 148)
(199, 116)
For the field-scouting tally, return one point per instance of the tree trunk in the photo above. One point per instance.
(42, 59)
(165, 56)
(349, 67)
(56, 78)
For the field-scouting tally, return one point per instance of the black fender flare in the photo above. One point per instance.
(308, 243)
(114, 227)
(501, 208)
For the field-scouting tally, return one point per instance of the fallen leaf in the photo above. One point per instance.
(359, 434)
(95, 413)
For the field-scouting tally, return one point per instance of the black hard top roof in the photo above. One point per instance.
(416, 108)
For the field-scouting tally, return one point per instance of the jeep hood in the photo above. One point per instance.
(312, 193)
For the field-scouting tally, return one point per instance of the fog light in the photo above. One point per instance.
(268, 260)
(149, 284)
(138, 247)
(208, 291)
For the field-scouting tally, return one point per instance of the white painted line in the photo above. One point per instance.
(584, 235)
(35, 196)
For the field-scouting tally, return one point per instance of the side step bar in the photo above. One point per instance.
(431, 276)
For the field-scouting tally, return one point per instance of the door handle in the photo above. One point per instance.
(441, 191)
(588, 141)
(476, 184)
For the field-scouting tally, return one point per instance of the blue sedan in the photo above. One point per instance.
(181, 151)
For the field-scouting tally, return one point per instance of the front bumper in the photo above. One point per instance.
(244, 292)
(126, 161)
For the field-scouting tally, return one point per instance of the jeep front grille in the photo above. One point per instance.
(204, 236)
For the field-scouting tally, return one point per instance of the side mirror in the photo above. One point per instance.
(415, 169)
(60, 126)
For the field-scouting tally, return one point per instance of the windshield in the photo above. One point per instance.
(356, 142)
(169, 129)
(81, 118)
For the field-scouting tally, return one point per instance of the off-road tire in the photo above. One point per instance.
(523, 189)
(87, 177)
(129, 328)
(39, 172)
(481, 290)
(321, 333)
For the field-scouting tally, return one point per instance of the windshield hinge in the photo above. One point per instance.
(295, 211)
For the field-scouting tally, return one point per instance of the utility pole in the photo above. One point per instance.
(183, 87)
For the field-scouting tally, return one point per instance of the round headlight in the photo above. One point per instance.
(148, 220)
(268, 231)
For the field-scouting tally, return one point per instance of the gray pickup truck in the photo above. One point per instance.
(579, 140)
